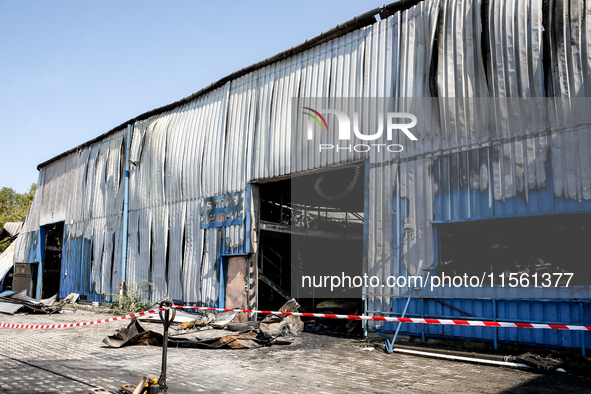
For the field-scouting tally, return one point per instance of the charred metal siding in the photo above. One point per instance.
(446, 52)
(508, 166)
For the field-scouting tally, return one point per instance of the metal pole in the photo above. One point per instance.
(496, 331)
(422, 317)
(365, 313)
(125, 213)
(403, 313)
(582, 322)
(165, 323)
(419, 269)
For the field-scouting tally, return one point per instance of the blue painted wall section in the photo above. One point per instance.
(39, 258)
(456, 197)
(223, 262)
(463, 192)
(556, 311)
(76, 262)
(242, 231)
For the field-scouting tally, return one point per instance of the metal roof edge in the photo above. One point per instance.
(362, 20)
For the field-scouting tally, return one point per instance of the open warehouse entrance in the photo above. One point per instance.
(311, 226)
(52, 259)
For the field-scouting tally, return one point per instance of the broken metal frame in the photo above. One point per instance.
(36, 305)
(307, 214)
(273, 286)
(389, 344)
(293, 230)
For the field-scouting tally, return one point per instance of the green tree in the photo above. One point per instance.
(14, 206)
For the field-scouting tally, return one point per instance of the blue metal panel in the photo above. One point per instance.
(76, 262)
(557, 311)
(560, 204)
(33, 253)
(240, 234)
(70, 249)
(39, 258)
(223, 261)
(463, 191)
(221, 267)
(461, 188)
(247, 218)
(458, 197)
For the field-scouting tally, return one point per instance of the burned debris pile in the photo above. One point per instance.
(213, 331)
(336, 326)
(538, 361)
(11, 302)
(274, 326)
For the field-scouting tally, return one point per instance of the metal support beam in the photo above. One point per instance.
(496, 330)
(125, 213)
(273, 286)
(583, 351)
(287, 229)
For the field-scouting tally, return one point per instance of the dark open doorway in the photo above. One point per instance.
(52, 259)
(313, 220)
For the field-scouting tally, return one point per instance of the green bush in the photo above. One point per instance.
(132, 299)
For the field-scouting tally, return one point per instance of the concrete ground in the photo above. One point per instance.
(74, 360)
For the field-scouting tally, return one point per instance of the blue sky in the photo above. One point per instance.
(72, 70)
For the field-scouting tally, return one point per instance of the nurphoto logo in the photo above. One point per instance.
(346, 129)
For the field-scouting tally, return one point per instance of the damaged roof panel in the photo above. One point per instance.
(11, 229)
(6, 259)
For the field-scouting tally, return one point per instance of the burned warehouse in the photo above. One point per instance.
(424, 139)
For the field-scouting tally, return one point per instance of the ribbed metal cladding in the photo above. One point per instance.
(167, 182)
(460, 69)
(392, 250)
(240, 133)
(569, 27)
(6, 260)
(514, 59)
(478, 174)
(507, 310)
(80, 190)
(475, 159)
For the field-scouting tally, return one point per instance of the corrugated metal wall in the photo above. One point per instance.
(470, 162)
(506, 310)
(488, 157)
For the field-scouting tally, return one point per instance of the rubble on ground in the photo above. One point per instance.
(537, 361)
(337, 326)
(11, 302)
(212, 330)
(274, 326)
(136, 334)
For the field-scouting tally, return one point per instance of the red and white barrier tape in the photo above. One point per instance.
(474, 323)
(88, 323)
